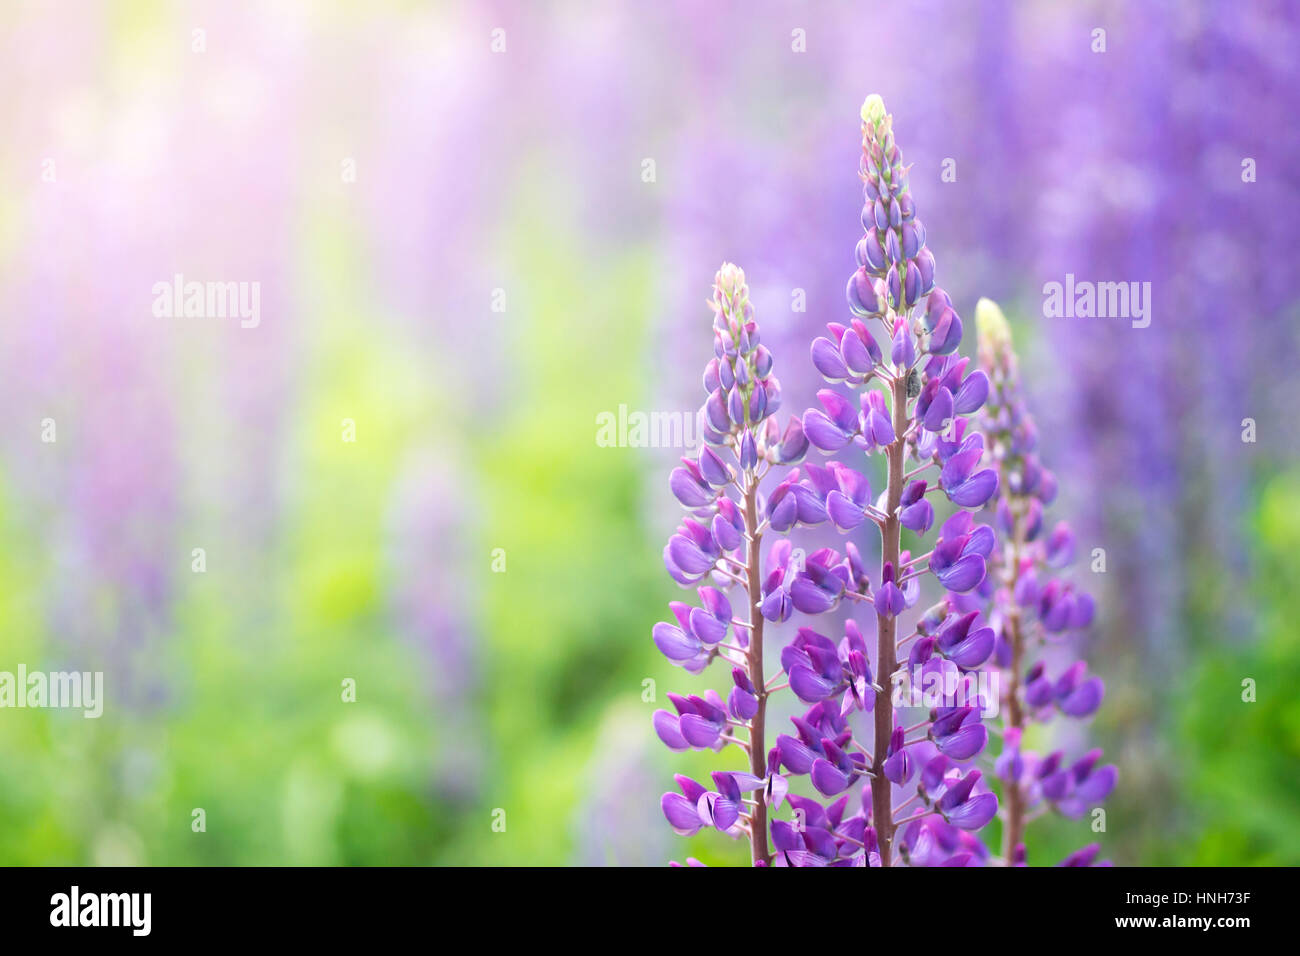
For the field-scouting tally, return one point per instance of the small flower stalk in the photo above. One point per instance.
(1033, 610)
(914, 399)
(864, 775)
(720, 541)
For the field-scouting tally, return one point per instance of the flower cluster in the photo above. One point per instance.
(908, 401)
(720, 541)
(899, 771)
(1032, 610)
(909, 404)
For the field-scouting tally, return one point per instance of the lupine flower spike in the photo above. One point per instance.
(907, 402)
(720, 542)
(913, 396)
(1030, 608)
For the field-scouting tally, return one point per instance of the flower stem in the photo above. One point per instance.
(882, 812)
(757, 745)
(1013, 831)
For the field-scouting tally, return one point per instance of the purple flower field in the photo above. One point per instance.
(632, 434)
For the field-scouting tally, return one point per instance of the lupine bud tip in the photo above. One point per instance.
(991, 325)
(730, 278)
(873, 109)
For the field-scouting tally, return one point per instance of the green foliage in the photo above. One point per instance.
(1241, 760)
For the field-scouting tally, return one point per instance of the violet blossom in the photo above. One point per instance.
(720, 541)
(919, 413)
(1032, 611)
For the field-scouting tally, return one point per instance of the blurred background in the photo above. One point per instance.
(475, 228)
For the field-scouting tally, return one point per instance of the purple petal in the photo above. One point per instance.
(1082, 612)
(794, 444)
(972, 393)
(855, 353)
(828, 778)
(821, 842)
(812, 509)
(776, 606)
(742, 704)
(939, 414)
(681, 813)
(786, 837)
(715, 410)
(827, 359)
(746, 782)
(716, 603)
(810, 687)
(822, 432)
(958, 468)
(975, 490)
(698, 731)
(810, 599)
(975, 812)
(889, 599)
(918, 517)
(692, 789)
(707, 627)
(1084, 700)
(947, 333)
(688, 556)
(974, 650)
(674, 643)
(859, 292)
(843, 511)
(879, 428)
(899, 768)
(777, 788)
(981, 541)
(1055, 785)
(839, 410)
(1060, 546)
(1098, 785)
(796, 756)
(666, 726)
(965, 743)
(964, 574)
(713, 468)
(688, 490)
(716, 810)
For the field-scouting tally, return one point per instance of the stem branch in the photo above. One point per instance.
(757, 745)
(1013, 831)
(882, 812)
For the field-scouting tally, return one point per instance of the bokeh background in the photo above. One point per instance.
(447, 209)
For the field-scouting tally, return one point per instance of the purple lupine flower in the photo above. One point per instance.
(1031, 606)
(913, 402)
(721, 541)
